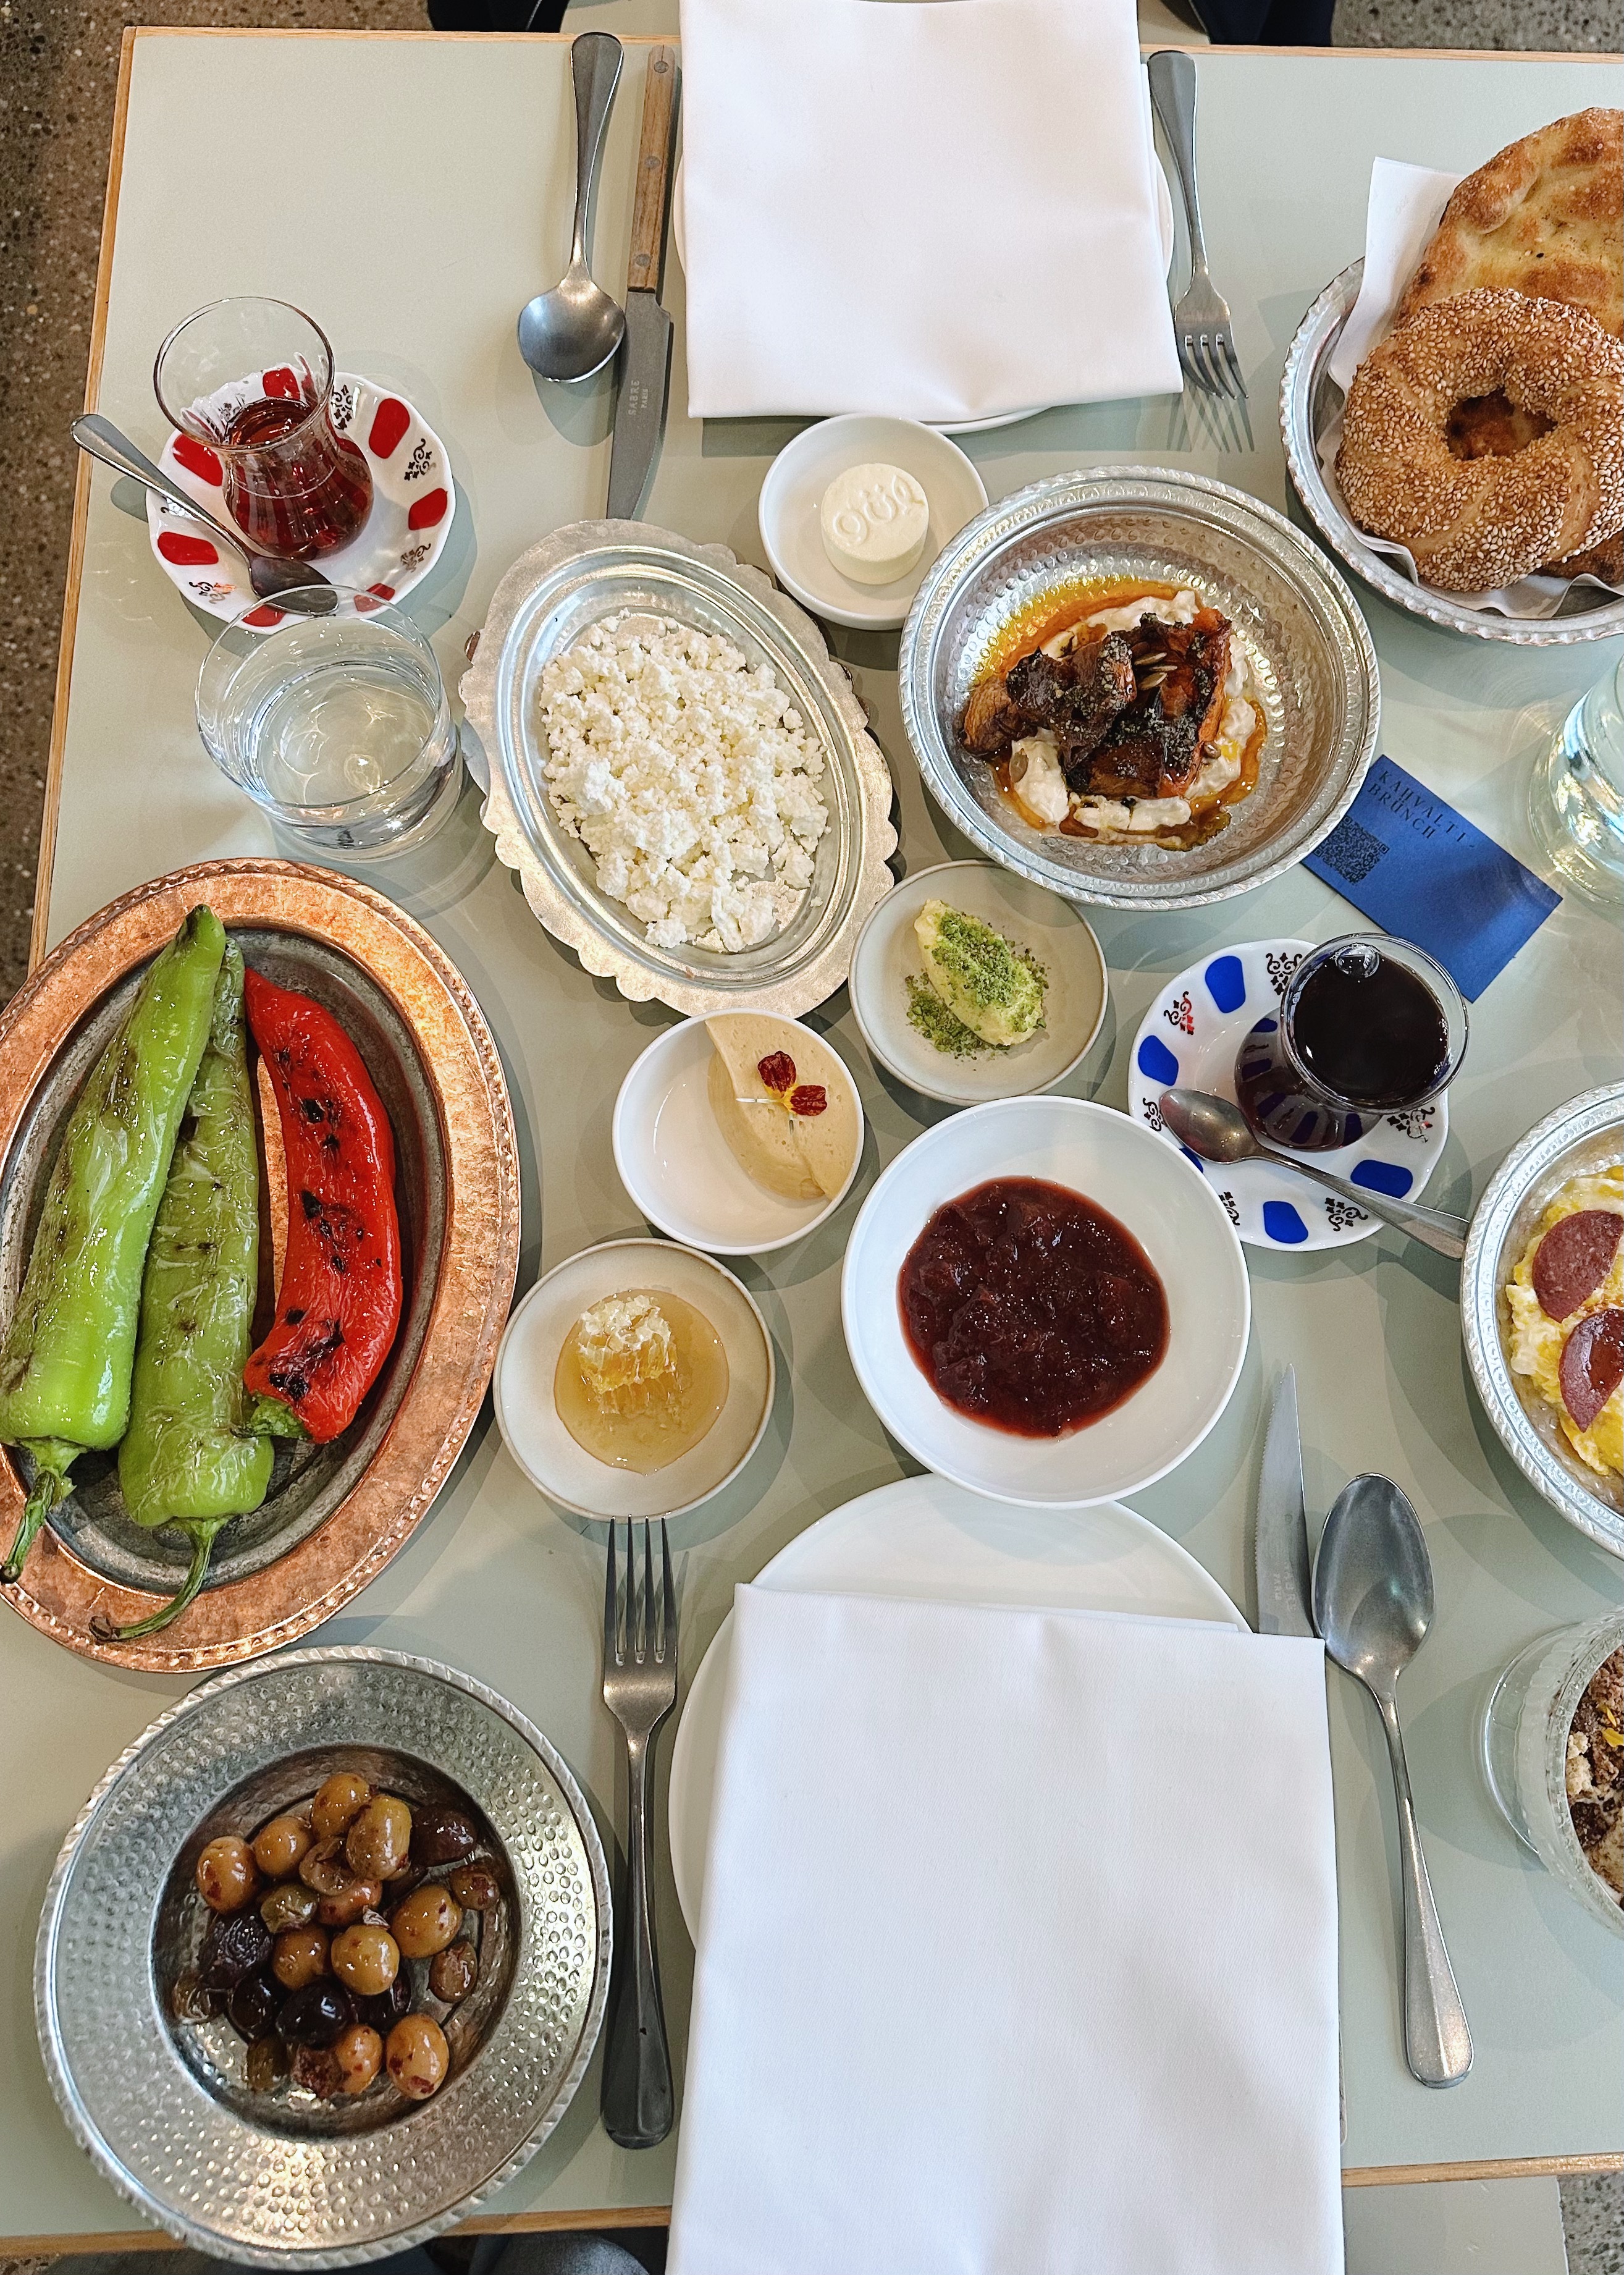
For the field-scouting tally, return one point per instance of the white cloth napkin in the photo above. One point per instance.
(938, 208)
(1018, 1950)
(1405, 205)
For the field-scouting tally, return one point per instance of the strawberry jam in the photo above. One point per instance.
(1030, 1308)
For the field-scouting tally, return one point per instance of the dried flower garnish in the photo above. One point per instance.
(809, 1098)
(777, 1070)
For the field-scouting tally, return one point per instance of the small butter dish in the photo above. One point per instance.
(527, 1414)
(1050, 929)
(792, 497)
(676, 1159)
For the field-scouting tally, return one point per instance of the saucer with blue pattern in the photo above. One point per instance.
(1191, 1035)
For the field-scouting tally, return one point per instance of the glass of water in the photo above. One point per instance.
(337, 726)
(1576, 798)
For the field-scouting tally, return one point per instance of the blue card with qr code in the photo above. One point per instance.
(1410, 863)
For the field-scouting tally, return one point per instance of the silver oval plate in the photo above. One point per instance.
(547, 602)
(165, 2119)
(1308, 655)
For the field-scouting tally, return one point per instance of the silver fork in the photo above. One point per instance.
(1201, 319)
(639, 1690)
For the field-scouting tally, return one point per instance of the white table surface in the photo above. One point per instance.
(432, 197)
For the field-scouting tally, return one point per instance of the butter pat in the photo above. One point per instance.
(874, 520)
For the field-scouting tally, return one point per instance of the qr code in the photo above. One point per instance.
(1352, 850)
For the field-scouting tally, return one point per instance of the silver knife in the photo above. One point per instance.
(646, 356)
(1280, 1552)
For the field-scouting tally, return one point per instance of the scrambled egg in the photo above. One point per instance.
(1535, 1344)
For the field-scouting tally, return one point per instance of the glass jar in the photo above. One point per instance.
(1525, 1728)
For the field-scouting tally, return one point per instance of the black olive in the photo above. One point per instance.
(384, 2008)
(314, 2016)
(441, 1836)
(316, 2068)
(253, 2005)
(236, 1944)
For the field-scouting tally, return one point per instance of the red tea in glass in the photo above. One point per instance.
(251, 382)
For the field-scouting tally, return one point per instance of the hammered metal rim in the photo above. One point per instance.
(58, 2071)
(794, 639)
(1244, 520)
(1536, 1161)
(1312, 342)
(240, 1619)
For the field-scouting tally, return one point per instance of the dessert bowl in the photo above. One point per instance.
(1294, 625)
(527, 1415)
(679, 1169)
(1124, 1169)
(1055, 932)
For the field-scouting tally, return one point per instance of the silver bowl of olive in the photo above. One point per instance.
(326, 1896)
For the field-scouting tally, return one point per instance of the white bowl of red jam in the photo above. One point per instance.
(1045, 1302)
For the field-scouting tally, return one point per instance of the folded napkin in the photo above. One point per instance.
(1405, 205)
(939, 208)
(1018, 1950)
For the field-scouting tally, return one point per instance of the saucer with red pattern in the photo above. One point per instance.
(414, 500)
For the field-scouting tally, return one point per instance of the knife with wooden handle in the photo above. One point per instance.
(646, 356)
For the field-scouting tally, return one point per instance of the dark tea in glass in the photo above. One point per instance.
(1368, 1025)
(249, 383)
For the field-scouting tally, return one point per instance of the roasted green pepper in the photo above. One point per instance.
(66, 1359)
(196, 1453)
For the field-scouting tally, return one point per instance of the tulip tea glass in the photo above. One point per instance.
(248, 384)
(1368, 1025)
(337, 726)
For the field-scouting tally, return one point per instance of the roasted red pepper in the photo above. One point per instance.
(338, 1306)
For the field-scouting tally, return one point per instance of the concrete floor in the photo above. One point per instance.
(58, 70)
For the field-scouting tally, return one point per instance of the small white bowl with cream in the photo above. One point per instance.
(634, 1380)
(738, 1133)
(855, 509)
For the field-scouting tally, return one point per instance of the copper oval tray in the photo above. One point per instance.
(337, 1520)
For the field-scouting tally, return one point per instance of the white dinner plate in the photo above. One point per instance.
(1191, 1035)
(931, 1542)
(1131, 1174)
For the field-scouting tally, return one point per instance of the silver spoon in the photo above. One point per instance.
(270, 574)
(1373, 1605)
(573, 330)
(1221, 1132)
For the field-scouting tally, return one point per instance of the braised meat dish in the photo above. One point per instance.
(1131, 713)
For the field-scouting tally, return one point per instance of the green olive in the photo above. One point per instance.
(426, 1921)
(366, 1958)
(341, 1798)
(379, 1841)
(289, 1904)
(360, 2055)
(350, 1902)
(417, 2056)
(299, 1956)
(279, 1846)
(476, 1887)
(226, 1874)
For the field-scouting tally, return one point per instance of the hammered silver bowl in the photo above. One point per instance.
(1308, 653)
(162, 2107)
(547, 602)
(1310, 399)
(1578, 1140)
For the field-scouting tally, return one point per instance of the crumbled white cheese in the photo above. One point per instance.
(688, 776)
(1036, 778)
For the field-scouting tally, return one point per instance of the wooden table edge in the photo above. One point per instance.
(654, 2215)
(39, 927)
(553, 2223)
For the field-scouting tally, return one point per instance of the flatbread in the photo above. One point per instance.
(1545, 216)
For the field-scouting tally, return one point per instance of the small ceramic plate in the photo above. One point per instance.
(413, 500)
(1191, 1035)
(793, 491)
(528, 1358)
(681, 1172)
(1117, 1164)
(1057, 935)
